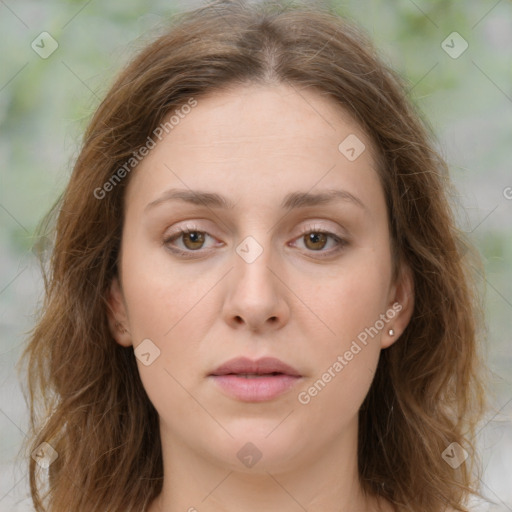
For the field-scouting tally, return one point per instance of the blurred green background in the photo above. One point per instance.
(45, 104)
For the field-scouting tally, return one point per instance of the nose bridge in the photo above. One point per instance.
(252, 264)
(254, 294)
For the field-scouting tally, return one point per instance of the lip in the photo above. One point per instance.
(262, 366)
(277, 378)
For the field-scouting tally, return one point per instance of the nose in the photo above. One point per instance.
(256, 297)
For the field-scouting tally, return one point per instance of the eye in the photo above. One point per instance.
(316, 239)
(193, 240)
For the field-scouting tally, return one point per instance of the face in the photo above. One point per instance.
(263, 272)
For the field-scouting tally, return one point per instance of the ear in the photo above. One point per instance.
(117, 314)
(401, 303)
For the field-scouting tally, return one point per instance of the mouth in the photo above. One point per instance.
(251, 375)
(255, 381)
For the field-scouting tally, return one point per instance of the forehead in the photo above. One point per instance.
(256, 114)
(277, 136)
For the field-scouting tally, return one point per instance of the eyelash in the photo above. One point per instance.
(309, 230)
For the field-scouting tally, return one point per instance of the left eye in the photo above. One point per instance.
(317, 240)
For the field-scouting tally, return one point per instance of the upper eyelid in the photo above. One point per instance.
(304, 230)
(198, 224)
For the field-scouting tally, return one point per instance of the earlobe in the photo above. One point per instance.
(117, 315)
(401, 307)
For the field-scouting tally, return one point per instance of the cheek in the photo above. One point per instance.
(353, 299)
(166, 309)
(350, 307)
(170, 312)
(166, 304)
(163, 298)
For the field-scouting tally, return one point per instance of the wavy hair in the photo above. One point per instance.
(85, 395)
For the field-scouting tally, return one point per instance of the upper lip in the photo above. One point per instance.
(265, 365)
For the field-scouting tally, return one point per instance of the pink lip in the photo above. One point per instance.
(255, 389)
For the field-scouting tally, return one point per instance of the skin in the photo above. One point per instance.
(255, 144)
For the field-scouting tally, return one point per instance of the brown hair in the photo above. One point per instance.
(428, 390)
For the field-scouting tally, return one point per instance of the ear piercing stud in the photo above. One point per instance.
(391, 332)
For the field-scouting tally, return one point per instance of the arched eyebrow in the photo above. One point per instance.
(291, 201)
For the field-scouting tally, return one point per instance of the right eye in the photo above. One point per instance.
(192, 239)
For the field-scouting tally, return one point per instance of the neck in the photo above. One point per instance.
(317, 482)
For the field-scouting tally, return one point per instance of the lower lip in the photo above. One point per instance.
(255, 389)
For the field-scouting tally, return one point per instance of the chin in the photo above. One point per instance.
(256, 448)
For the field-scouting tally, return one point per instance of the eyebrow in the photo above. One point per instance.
(291, 201)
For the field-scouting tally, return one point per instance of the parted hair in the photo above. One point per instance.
(85, 395)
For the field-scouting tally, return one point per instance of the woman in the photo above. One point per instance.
(258, 298)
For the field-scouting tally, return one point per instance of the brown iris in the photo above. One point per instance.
(196, 238)
(315, 238)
